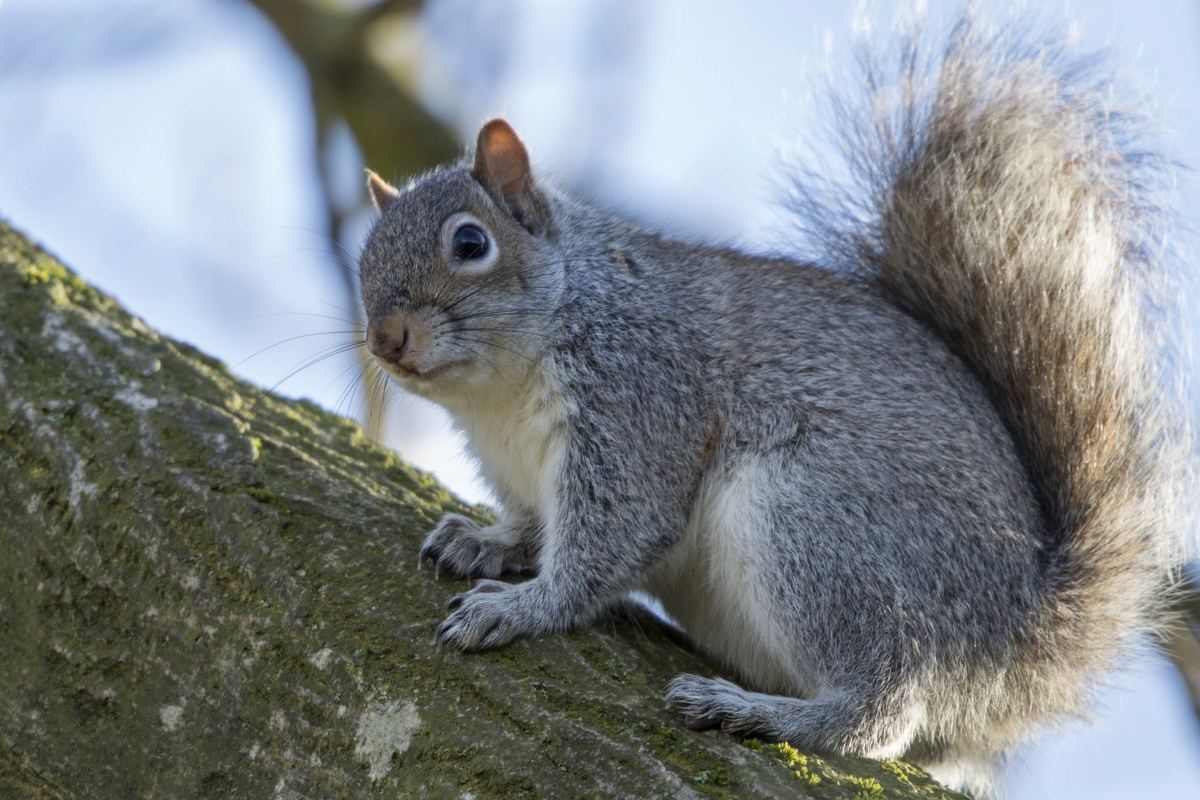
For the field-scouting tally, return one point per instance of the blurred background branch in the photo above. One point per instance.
(1183, 644)
(397, 136)
(339, 46)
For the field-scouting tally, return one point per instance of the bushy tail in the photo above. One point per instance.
(1001, 196)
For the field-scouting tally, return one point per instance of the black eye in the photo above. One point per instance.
(470, 242)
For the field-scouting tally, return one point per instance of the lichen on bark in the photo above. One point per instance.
(207, 590)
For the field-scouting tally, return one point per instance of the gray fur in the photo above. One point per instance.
(918, 497)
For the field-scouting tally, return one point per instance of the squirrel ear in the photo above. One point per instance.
(502, 167)
(381, 192)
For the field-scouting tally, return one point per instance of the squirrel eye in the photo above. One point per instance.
(470, 242)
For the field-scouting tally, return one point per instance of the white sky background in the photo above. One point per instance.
(164, 150)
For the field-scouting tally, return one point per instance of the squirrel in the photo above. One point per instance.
(919, 491)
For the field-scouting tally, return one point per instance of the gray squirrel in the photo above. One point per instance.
(919, 492)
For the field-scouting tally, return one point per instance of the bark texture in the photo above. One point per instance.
(211, 591)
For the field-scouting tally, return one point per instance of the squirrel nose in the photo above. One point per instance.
(388, 343)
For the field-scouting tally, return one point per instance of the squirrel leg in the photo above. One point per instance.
(608, 525)
(832, 722)
(465, 549)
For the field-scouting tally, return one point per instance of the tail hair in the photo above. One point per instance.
(1005, 196)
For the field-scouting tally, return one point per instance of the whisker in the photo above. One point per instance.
(383, 404)
(478, 354)
(494, 280)
(337, 378)
(323, 235)
(310, 362)
(294, 338)
(378, 391)
(437, 293)
(491, 329)
(370, 377)
(484, 314)
(347, 394)
(314, 360)
(352, 314)
(447, 308)
(537, 364)
(305, 314)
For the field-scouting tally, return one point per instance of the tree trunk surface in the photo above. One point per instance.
(207, 590)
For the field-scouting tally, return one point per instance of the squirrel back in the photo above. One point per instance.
(1004, 197)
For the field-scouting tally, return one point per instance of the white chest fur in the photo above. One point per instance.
(518, 435)
(713, 584)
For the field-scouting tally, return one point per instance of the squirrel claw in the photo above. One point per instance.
(488, 616)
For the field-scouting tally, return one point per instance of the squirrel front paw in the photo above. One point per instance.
(465, 550)
(489, 615)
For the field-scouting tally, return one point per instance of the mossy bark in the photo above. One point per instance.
(207, 590)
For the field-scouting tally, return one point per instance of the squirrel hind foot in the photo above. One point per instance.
(833, 722)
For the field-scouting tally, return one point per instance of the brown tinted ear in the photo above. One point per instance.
(502, 167)
(381, 192)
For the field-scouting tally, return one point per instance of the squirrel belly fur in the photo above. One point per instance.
(918, 491)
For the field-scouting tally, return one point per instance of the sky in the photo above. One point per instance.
(165, 152)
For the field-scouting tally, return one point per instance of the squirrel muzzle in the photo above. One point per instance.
(401, 343)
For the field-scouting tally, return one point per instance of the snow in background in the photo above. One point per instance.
(165, 151)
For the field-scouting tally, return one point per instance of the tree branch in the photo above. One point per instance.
(398, 137)
(207, 590)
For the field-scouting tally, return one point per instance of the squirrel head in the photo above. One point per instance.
(459, 273)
